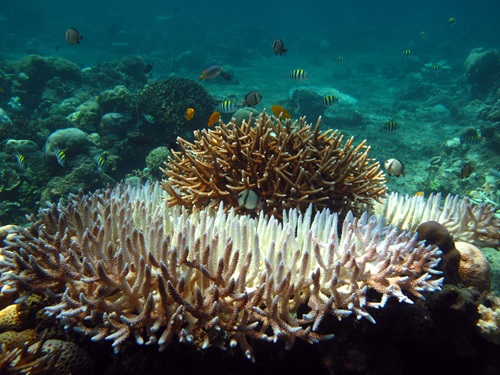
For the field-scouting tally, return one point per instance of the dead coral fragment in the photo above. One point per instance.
(287, 165)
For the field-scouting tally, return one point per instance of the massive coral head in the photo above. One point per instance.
(282, 164)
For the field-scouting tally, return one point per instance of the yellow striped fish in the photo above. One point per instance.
(101, 163)
(227, 106)
(299, 75)
(329, 100)
(21, 161)
(149, 118)
(406, 53)
(60, 156)
(391, 126)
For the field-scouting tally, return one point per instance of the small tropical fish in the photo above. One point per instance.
(465, 171)
(394, 167)
(471, 139)
(227, 106)
(279, 47)
(391, 126)
(148, 118)
(419, 194)
(406, 53)
(470, 136)
(340, 59)
(451, 21)
(252, 98)
(280, 111)
(283, 101)
(210, 72)
(73, 36)
(189, 114)
(21, 161)
(298, 75)
(214, 117)
(101, 163)
(422, 34)
(60, 156)
(329, 100)
(435, 67)
(248, 199)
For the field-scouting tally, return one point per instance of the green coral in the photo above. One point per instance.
(167, 102)
(435, 185)
(114, 100)
(8, 179)
(155, 160)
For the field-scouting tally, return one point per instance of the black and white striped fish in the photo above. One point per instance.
(299, 75)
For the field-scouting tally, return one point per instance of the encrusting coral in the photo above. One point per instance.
(120, 265)
(285, 165)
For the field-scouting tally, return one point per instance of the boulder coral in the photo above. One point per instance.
(167, 101)
(71, 140)
(474, 269)
(116, 99)
(482, 68)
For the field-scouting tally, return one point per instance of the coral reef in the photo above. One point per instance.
(115, 100)
(14, 339)
(482, 69)
(489, 321)
(155, 160)
(306, 101)
(71, 140)
(5, 123)
(129, 71)
(465, 220)
(167, 101)
(435, 234)
(33, 73)
(474, 269)
(45, 357)
(286, 165)
(120, 265)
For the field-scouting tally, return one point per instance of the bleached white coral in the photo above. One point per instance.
(489, 321)
(465, 220)
(121, 265)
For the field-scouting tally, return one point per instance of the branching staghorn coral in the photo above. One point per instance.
(286, 165)
(465, 220)
(121, 265)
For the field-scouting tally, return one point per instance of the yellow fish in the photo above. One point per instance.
(189, 113)
(213, 118)
(277, 110)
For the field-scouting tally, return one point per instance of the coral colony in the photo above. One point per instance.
(198, 263)
(123, 266)
(287, 165)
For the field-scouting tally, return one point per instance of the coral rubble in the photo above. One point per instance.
(121, 265)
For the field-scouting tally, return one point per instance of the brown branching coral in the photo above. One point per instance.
(120, 265)
(287, 165)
